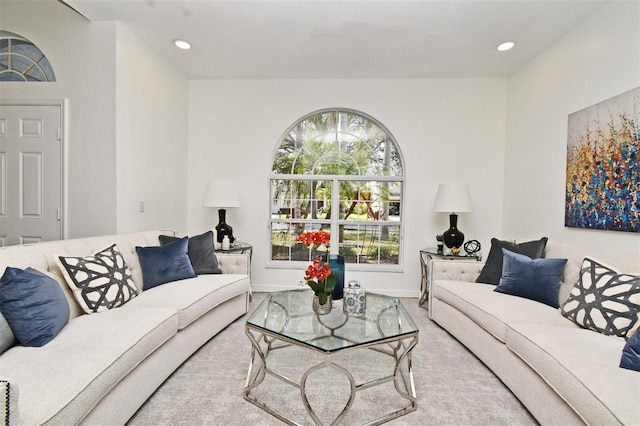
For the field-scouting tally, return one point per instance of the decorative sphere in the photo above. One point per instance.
(472, 246)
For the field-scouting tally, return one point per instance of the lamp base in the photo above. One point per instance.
(222, 228)
(452, 237)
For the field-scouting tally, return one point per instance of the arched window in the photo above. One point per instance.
(21, 60)
(342, 171)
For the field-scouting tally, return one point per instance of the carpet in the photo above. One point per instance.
(452, 385)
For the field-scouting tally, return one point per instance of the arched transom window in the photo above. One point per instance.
(338, 170)
(21, 60)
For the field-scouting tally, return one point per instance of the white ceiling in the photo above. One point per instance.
(344, 38)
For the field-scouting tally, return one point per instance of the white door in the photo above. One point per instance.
(30, 174)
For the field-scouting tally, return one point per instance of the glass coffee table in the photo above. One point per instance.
(336, 341)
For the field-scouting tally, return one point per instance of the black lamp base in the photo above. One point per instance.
(222, 228)
(452, 237)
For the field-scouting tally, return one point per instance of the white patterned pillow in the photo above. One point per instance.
(604, 300)
(99, 282)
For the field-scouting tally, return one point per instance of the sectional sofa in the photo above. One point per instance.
(563, 373)
(101, 367)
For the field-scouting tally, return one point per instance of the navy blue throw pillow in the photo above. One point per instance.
(535, 279)
(163, 264)
(631, 353)
(33, 304)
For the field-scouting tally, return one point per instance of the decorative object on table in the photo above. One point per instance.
(221, 193)
(225, 243)
(602, 165)
(336, 264)
(318, 275)
(355, 299)
(440, 243)
(452, 198)
(472, 246)
(455, 251)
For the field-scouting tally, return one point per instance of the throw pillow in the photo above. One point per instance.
(33, 304)
(201, 252)
(99, 282)
(492, 269)
(535, 279)
(631, 353)
(162, 264)
(7, 338)
(604, 300)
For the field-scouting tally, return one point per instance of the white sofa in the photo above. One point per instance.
(102, 367)
(562, 374)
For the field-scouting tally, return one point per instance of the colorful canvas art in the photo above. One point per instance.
(603, 165)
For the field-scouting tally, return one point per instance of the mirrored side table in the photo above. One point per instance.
(426, 257)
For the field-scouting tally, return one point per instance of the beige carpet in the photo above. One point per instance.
(453, 386)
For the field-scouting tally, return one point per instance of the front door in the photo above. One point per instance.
(30, 173)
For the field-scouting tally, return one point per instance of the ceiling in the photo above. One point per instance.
(265, 39)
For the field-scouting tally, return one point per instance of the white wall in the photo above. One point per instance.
(151, 138)
(82, 56)
(596, 61)
(449, 130)
(127, 119)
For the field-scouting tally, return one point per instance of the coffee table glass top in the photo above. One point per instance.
(289, 316)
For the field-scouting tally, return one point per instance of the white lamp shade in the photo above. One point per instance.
(220, 193)
(453, 198)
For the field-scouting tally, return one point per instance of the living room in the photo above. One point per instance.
(141, 139)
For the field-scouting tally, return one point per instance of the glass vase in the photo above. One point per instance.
(336, 263)
(321, 309)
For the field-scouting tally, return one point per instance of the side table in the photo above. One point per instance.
(239, 248)
(426, 257)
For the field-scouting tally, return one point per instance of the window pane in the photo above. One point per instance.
(370, 200)
(371, 244)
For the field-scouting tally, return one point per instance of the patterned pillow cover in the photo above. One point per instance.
(99, 282)
(604, 300)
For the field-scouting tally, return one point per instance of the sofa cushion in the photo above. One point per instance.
(106, 348)
(194, 297)
(33, 304)
(493, 311)
(492, 270)
(163, 264)
(631, 353)
(582, 366)
(99, 282)
(535, 279)
(201, 252)
(604, 300)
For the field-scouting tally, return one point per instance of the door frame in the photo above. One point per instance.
(63, 105)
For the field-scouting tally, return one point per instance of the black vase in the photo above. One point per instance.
(452, 237)
(222, 228)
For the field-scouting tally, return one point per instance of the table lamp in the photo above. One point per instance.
(452, 198)
(221, 193)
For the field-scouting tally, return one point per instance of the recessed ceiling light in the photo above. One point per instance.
(181, 44)
(507, 45)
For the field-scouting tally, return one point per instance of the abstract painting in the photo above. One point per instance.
(603, 165)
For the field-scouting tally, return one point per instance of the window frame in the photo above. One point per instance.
(334, 222)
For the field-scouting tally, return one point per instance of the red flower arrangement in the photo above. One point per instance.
(318, 274)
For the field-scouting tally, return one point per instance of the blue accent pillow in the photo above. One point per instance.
(631, 353)
(163, 264)
(492, 269)
(535, 279)
(201, 252)
(33, 304)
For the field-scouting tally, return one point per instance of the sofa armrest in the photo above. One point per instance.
(234, 263)
(455, 270)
